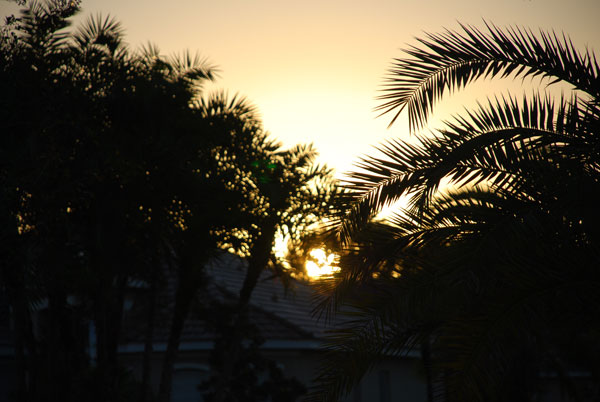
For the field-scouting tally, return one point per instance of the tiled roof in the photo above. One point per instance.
(291, 304)
(280, 313)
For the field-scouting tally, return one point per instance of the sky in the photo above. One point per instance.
(315, 67)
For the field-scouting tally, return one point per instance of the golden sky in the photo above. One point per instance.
(314, 67)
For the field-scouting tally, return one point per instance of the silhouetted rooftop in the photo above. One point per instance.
(280, 312)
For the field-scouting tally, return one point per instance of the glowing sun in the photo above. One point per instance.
(320, 264)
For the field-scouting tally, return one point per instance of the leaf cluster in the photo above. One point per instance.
(114, 163)
(491, 265)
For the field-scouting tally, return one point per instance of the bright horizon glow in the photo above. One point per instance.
(314, 68)
(321, 264)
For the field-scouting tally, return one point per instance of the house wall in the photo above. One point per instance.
(391, 380)
(8, 379)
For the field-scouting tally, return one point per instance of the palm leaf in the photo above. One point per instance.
(498, 144)
(451, 60)
(497, 247)
(438, 285)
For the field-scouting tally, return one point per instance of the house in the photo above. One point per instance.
(293, 337)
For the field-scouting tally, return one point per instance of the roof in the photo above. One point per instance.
(292, 304)
(280, 313)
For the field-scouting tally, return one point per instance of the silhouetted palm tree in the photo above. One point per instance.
(287, 195)
(95, 144)
(493, 264)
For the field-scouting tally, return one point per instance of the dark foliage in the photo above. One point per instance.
(254, 377)
(113, 166)
(493, 265)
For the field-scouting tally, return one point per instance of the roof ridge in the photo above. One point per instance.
(270, 314)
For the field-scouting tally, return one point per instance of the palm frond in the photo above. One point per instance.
(99, 33)
(43, 24)
(451, 60)
(193, 66)
(220, 103)
(498, 144)
(497, 247)
(149, 51)
(443, 261)
(363, 338)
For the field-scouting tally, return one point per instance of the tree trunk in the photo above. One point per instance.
(150, 323)
(103, 391)
(183, 301)
(25, 351)
(259, 258)
(260, 253)
(56, 374)
(192, 257)
(108, 317)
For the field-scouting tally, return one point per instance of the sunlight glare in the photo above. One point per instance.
(280, 248)
(320, 264)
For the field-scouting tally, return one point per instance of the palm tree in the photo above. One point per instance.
(493, 264)
(220, 170)
(97, 142)
(288, 194)
(108, 158)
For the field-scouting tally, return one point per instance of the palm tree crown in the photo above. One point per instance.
(493, 264)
